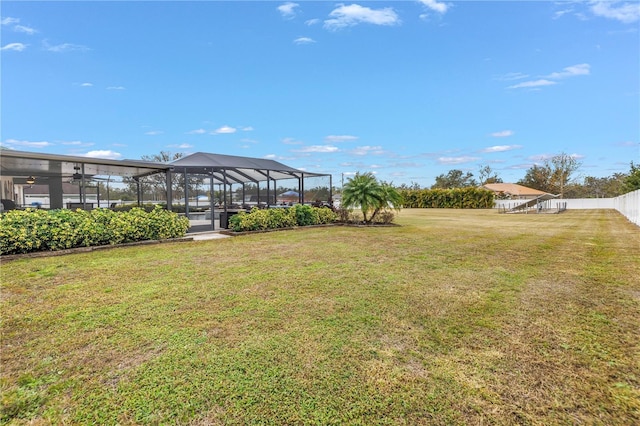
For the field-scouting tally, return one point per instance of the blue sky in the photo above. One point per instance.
(406, 89)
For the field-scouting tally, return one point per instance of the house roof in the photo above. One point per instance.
(513, 189)
(235, 169)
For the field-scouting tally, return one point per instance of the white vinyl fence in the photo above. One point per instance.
(629, 205)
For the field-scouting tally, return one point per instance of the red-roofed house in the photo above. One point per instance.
(513, 191)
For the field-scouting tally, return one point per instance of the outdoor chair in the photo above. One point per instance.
(8, 205)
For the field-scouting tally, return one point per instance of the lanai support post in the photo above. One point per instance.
(258, 186)
(138, 189)
(83, 195)
(211, 202)
(224, 192)
(302, 185)
(330, 200)
(55, 193)
(169, 191)
(186, 193)
(268, 189)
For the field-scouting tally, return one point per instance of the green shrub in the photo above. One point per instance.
(386, 217)
(304, 214)
(298, 215)
(456, 198)
(24, 231)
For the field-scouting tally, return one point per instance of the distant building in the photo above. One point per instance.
(513, 191)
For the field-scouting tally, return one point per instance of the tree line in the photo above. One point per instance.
(555, 175)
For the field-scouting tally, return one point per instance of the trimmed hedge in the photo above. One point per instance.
(456, 198)
(298, 215)
(24, 231)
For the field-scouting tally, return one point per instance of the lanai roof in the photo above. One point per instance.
(21, 164)
(237, 169)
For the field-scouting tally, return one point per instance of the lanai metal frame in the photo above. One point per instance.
(227, 170)
(52, 169)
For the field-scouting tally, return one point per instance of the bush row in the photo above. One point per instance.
(456, 198)
(298, 215)
(24, 231)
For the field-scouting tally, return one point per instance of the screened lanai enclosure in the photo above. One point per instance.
(216, 186)
(205, 187)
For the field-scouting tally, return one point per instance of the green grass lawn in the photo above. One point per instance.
(455, 317)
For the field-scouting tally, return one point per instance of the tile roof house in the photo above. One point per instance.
(513, 191)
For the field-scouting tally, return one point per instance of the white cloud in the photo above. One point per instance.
(549, 80)
(579, 69)
(366, 149)
(291, 141)
(502, 134)
(521, 166)
(560, 13)
(540, 157)
(457, 160)
(103, 153)
(501, 148)
(512, 76)
(18, 28)
(18, 47)
(288, 10)
(435, 6)
(304, 40)
(348, 16)
(9, 21)
(625, 12)
(154, 132)
(247, 129)
(627, 143)
(181, 146)
(116, 88)
(534, 83)
(311, 22)
(65, 47)
(544, 157)
(23, 29)
(340, 138)
(224, 130)
(76, 143)
(197, 132)
(30, 144)
(318, 148)
(86, 85)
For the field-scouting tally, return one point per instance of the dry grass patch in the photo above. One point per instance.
(457, 317)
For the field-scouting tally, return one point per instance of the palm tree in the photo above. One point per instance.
(364, 191)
